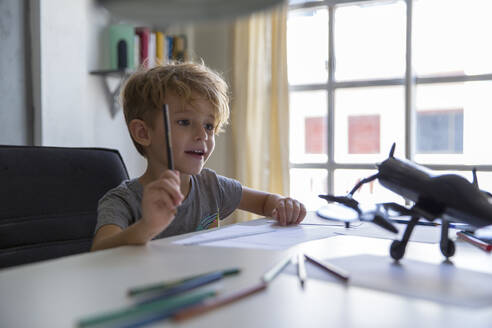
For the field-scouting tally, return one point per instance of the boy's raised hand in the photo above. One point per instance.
(289, 211)
(160, 201)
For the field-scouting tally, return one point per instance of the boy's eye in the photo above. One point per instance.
(209, 127)
(184, 122)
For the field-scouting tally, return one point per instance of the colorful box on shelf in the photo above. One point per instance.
(121, 46)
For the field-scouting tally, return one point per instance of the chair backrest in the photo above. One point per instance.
(48, 199)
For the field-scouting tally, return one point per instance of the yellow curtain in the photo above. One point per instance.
(260, 103)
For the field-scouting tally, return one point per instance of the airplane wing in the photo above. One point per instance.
(487, 194)
(415, 210)
(400, 209)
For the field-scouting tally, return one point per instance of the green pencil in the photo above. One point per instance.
(131, 312)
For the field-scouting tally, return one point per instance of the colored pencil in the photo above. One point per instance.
(301, 269)
(330, 268)
(471, 239)
(162, 286)
(273, 272)
(184, 287)
(454, 225)
(131, 313)
(167, 129)
(218, 301)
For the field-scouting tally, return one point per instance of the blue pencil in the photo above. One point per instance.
(185, 286)
(152, 289)
(454, 225)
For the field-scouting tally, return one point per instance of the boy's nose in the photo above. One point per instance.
(201, 134)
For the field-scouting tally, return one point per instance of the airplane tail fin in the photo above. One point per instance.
(475, 180)
(475, 183)
(392, 151)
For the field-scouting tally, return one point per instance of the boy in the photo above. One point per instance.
(162, 202)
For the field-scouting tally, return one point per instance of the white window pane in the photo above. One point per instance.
(369, 193)
(307, 46)
(367, 122)
(308, 110)
(451, 139)
(484, 180)
(452, 37)
(307, 184)
(370, 40)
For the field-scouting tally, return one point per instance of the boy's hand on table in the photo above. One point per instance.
(160, 201)
(288, 211)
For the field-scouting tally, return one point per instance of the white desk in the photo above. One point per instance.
(56, 293)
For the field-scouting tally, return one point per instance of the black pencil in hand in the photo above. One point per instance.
(167, 129)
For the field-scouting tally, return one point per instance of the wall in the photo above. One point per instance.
(213, 44)
(71, 108)
(109, 131)
(15, 101)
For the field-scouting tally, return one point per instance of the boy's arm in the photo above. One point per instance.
(111, 235)
(284, 209)
(159, 202)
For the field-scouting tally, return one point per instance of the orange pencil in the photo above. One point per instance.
(218, 301)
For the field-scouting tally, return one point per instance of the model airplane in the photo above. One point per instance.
(448, 197)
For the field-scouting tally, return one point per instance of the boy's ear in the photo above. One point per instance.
(140, 132)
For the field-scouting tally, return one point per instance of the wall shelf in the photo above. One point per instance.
(113, 93)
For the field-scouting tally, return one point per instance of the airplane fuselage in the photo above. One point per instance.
(437, 195)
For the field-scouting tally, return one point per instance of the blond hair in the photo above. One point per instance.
(144, 93)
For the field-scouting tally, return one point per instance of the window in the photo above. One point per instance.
(368, 73)
(363, 134)
(440, 131)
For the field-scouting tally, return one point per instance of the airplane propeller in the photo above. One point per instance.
(384, 223)
(377, 216)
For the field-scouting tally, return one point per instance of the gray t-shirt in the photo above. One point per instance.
(210, 195)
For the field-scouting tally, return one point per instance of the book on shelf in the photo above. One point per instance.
(132, 47)
(144, 35)
(161, 49)
(152, 50)
(179, 48)
(169, 46)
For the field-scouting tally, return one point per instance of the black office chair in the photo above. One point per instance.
(48, 199)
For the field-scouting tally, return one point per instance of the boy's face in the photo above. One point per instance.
(192, 133)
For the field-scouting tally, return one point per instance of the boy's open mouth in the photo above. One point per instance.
(197, 152)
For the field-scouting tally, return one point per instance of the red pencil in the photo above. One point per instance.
(334, 270)
(465, 236)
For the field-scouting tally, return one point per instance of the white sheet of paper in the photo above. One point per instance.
(442, 283)
(279, 239)
(226, 233)
(261, 234)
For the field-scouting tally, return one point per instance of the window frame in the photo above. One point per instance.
(409, 83)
